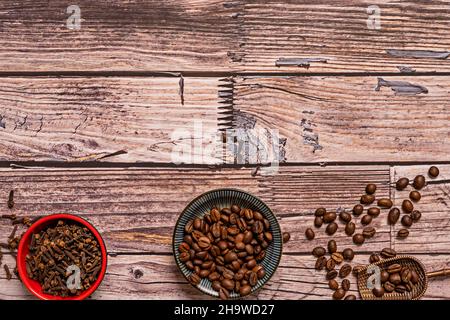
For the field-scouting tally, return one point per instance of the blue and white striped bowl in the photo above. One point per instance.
(221, 198)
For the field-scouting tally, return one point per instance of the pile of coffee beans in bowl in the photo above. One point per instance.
(227, 247)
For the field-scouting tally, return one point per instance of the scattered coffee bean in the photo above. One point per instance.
(320, 212)
(368, 232)
(387, 253)
(416, 215)
(331, 228)
(366, 219)
(374, 258)
(357, 269)
(385, 203)
(419, 182)
(321, 263)
(403, 233)
(318, 221)
(332, 246)
(286, 237)
(332, 274)
(339, 294)
(11, 199)
(374, 212)
(367, 199)
(415, 196)
(358, 210)
(371, 188)
(337, 257)
(401, 183)
(433, 172)
(333, 284)
(350, 297)
(330, 264)
(348, 254)
(407, 221)
(407, 206)
(345, 270)
(378, 292)
(329, 217)
(318, 251)
(350, 228)
(358, 239)
(309, 233)
(345, 284)
(345, 216)
(393, 216)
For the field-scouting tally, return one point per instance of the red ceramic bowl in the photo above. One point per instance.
(32, 285)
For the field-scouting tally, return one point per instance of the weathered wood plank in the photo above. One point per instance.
(81, 119)
(432, 232)
(157, 277)
(348, 118)
(136, 209)
(219, 35)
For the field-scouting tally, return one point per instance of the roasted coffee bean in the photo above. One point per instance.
(189, 227)
(184, 257)
(318, 221)
(416, 215)
(366, 219)
(385, 203)
(214, 276)
(400, 288)
(339, 294)
(419, 182)
(415, 196)
(350, 297)
(318, 251)
(378, 292)
(409, 286)
(320, 212)
(358, 210)
(194, 279)
(401, 183)
(433, 172)
(224, 294)
(286, 237)
(388, 286)
(235, 209)
(329, 217)
(321, 263)
(245, 290)
(368, 232)
(337, 257)
(394, 215)
(345, 284)
(258, 227)
(414, 277)
(407, 206)
(357, 269)
(204, 273)
(374, 212)
(371, 188)
(387, 253)
(248, 214)
(345, 270)
(331, 228)
(394, 268)
(384, 276)
(309, 233)
(348, 254)
(395, 278)
(367, 199)
(407, 220)
(350, 228)
(332, 246)
(406, 275)
(253, 278)
(358, 239)
(333, 284)
(345, 216)
(403, 233)
(374, 258)
(258, 216)
(332, 274)
(330, 264)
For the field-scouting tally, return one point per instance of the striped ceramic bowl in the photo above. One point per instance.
(221, 198)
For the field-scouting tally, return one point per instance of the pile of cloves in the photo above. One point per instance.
(57, 252)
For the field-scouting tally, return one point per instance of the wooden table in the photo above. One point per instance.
(90, 119)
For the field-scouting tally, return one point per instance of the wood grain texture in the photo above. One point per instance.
(366, 119)
(136, 209)
(213, 35)
(85, 119)
(141, 277)
(118, 35)
(432, 232)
